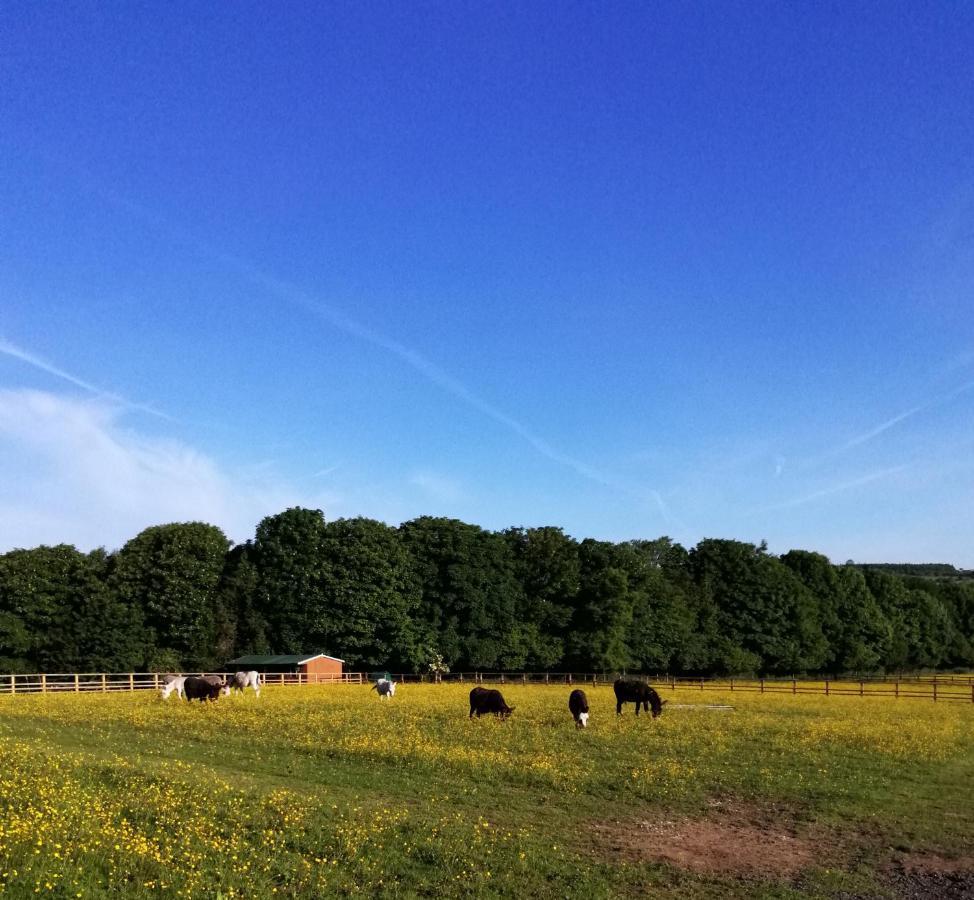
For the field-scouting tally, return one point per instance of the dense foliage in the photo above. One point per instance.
(178, 596)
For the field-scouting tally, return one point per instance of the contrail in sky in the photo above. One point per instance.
(889, 423)
(834, 489)
(293, 295)
(11, 349)
(442, 379)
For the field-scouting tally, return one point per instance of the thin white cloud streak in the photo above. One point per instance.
(74, 474)
(832, 490)
(438, 376)
(32, 359)
(890, 423)
(324, 473)
(440, 488)
(433, 373)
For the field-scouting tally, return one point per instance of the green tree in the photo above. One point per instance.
(547, 569)
(58, 614)
(369, 596)
(855, 628)
(242, 627)
(603, 621)
(863, 643)
(469, 594)
(762, 608)
(171, 574)
(958, 600)
(663, 620)
(289, 554)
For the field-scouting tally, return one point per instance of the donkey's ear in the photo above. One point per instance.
(664, 702)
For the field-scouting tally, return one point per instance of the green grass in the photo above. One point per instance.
(329, 792)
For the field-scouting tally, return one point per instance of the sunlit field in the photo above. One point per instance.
(321, 791)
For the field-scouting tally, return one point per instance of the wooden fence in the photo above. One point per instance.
(936, 688)
(86, 682)
(947, 688)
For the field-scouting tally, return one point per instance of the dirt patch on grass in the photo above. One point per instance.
(742, 842)
(935, 863)
(930, 876)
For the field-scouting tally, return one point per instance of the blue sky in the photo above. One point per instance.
(632, 269)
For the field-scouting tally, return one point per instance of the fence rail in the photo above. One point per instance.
(104, 682)
(957, 688)
(951, 688)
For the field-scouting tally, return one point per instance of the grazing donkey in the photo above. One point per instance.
(578, 704)
(385, 688)
(173, 683)
(483, 701)
(239, 681)
(638, 692)
(205, 687)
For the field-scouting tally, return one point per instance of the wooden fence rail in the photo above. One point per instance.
(104, 682)
(935, 689)
(919, 688)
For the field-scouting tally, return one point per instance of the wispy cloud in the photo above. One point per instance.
(74, 473)
(38, 362)
(298, 298)
(438, 487)
(328, 470)
(294, 296)
(875, 432)
(840, 488)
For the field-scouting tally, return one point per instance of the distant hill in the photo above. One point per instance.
(918, 570)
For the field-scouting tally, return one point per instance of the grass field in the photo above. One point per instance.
(324, 791)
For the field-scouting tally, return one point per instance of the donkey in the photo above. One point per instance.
(578, 705)
(239, 681)
(174, 683)
(385, 688)
(638, 692)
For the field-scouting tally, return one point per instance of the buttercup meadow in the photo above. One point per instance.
(327, 791)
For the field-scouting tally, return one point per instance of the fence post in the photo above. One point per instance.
(732, 684)
(155, 680)
(13, 684)
(896, 689)
(547, 678)
(43, 684)
(935, 689)
(104, 687)
(860, 688)
(569, 677)
(826, 687)
(701, 684)
(794, 686)
(131, 681)
(76, 688)
(524, 678)
(762, 685)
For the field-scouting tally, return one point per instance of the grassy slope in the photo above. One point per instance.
(338, 792)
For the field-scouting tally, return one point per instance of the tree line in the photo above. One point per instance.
(182, 597)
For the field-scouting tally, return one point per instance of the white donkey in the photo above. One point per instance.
(240, 680)
(385, 688)
(174, 683)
